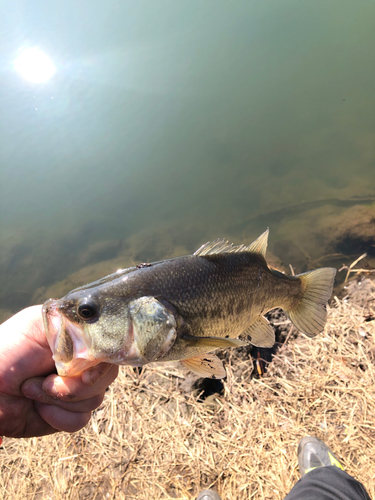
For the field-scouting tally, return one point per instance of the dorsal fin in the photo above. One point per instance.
(260, 244)
(223, 246)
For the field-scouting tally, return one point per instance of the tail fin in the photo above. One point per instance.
(310, 314)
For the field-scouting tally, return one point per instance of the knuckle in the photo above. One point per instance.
(96, 401)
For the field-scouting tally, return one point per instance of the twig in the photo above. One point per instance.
(351, 270)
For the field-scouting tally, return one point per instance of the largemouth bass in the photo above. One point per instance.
(182, 308)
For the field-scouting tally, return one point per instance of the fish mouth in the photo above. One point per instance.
(68, 341)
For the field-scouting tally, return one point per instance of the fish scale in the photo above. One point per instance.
(183, 308)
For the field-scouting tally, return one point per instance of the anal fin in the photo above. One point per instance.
(205, 365)
(261, 332)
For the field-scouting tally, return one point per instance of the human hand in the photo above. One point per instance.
(34, 401)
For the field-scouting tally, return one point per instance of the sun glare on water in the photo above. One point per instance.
(34, 65)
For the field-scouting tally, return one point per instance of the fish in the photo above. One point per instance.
(183, 308)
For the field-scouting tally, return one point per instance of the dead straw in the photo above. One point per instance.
(152, 439)
(350, 269)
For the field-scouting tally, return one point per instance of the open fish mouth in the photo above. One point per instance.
(69, 344)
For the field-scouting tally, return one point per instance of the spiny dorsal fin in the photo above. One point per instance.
(260, 244)
(223, 246)
(205, 365)
(215, 247)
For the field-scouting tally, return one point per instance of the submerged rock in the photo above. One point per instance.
(353, 231)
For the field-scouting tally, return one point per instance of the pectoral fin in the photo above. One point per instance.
(213, 342)
(261, 332)
(205, 365)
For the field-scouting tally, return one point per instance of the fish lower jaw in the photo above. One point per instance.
(75, 367)
(80, 357)
(83, 361)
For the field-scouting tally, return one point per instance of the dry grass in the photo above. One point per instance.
(151, 439)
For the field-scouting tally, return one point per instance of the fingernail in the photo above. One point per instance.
(31, 390)
(94, 376)
(50, 389)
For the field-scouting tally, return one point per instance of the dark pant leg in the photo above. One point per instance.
(327, 483)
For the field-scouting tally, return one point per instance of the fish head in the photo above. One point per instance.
(85, 328)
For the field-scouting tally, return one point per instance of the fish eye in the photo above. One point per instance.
(87, 310)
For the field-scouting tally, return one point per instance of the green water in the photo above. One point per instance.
(168, 123)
